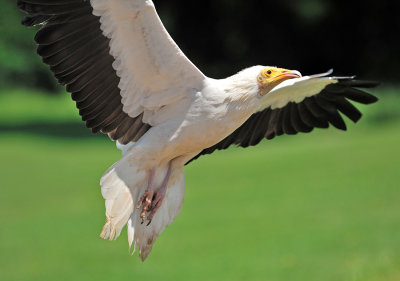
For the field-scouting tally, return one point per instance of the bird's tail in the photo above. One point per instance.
(121, 186)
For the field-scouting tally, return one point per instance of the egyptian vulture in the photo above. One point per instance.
(131, 81)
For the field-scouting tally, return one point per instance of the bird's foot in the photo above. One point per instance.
(146, 201)
(151, 202)
(155, 204)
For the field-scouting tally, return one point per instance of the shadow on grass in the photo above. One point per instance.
(72, 130)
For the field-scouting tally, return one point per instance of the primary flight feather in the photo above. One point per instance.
(131, 81)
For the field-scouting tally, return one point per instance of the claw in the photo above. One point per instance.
(151, 201)
(145, 200)
(140, 202)
(154, 203)
(154, 210)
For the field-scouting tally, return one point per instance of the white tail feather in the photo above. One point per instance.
(121, 186)
(144, 236)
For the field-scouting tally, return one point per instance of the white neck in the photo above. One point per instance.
(242, 89)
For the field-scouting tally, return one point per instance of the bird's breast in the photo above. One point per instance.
(207, 123)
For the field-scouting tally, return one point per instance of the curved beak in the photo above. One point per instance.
(285, 74)
(277, 76)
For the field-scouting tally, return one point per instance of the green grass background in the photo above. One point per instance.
(323, 206)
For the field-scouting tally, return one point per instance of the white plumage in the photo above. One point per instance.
(153, 70)
(131, 81)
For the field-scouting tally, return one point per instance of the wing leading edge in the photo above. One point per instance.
(319, 110)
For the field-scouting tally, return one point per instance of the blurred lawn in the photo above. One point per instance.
(322, 206)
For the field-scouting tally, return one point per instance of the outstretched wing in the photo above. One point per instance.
(300, 105)
(115, 57)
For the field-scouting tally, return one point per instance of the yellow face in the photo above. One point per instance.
(270, 77)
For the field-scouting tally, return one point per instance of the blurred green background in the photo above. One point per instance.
(319, 206)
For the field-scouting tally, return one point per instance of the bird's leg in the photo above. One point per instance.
(147, 196)
(159, 195)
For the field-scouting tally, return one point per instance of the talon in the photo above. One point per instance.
(143, 215)
(140, 202)
(151, 201)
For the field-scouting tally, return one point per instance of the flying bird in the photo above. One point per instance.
(131, 81)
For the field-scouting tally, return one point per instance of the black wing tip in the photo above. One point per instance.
(360, 83)
(373, 84)
(20, 5)
(29, 21)
(270, 136)
(357, 118)
(372, 99)
(354, 90)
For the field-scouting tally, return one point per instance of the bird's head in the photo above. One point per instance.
(254, 83)
(270, 77)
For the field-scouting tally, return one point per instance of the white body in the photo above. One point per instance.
(188, 112)
(131, 81)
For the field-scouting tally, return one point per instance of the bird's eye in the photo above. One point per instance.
(269, 72)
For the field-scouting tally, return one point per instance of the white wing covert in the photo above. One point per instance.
(115, 58)
(300, 105)
(154, 72)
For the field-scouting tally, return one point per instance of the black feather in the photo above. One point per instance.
(317, 111)
(72, 44)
